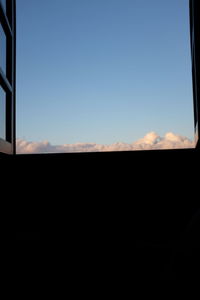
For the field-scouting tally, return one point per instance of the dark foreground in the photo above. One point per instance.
(118, 213)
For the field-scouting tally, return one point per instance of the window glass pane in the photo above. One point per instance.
(3, 49)
(4, 4)
(2, 114)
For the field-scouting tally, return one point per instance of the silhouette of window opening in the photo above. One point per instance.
(86, 72)
(7, 76)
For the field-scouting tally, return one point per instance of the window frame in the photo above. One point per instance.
(195, 48)
(8, 80)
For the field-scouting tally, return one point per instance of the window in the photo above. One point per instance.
(3, 50)
(3, 2)
(7, 76)
(107, 73)
(47, 71)
(2, 114)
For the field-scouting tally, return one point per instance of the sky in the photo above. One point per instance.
(103, 71)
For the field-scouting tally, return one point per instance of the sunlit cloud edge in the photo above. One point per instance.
(151, 141)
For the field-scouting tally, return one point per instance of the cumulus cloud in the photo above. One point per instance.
(151, 141)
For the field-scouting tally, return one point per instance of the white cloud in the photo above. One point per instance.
(150, 141)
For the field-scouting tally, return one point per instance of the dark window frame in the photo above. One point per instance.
(195, 48)
(8, 80)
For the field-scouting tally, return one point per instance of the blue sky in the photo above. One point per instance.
(103, 71)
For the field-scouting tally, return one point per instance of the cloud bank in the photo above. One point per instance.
(151, 141)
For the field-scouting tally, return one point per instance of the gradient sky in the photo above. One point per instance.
(103, 71)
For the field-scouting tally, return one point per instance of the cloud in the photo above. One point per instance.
(151, 141)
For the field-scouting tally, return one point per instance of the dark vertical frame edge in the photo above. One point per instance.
(195, 48)
(14, 77)
(8, 81)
